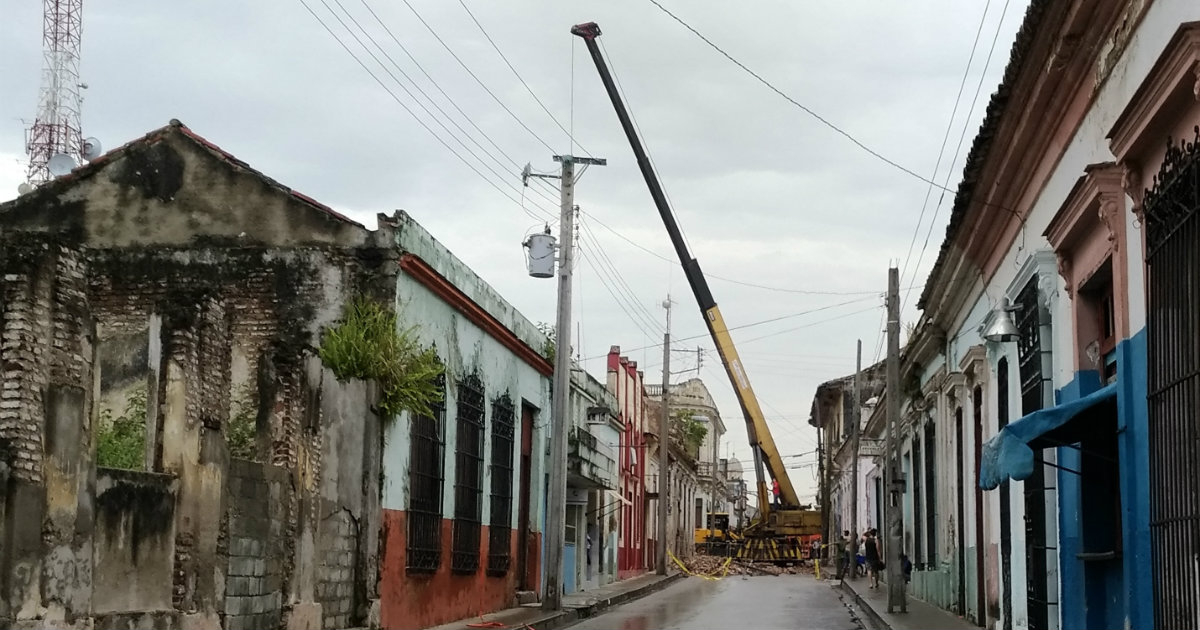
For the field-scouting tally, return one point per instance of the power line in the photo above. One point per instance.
(589, 234)
(418, 88)
(810, 324)
(474, 76)
(519, 77)
(406, 108)
(587, 257)
(946, 138)
(438, 86)
(962, 137)
(780, 332)
(712, 276)
(793, 101)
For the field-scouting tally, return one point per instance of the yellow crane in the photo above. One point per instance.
(775, 535)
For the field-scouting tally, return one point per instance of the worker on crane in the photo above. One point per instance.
(775, 491)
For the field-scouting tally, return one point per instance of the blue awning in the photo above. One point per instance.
(1009, 454)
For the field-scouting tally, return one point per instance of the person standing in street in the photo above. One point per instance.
(872, 557)
(847, 563)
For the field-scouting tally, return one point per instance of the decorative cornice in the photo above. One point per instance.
(1041, 264)
(972, 360)
(420, 271)
(1100, 192)
(1131, 183)
(1064, 270)
(1175, 76)
(953, 382)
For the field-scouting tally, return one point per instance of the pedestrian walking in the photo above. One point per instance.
(873, 560)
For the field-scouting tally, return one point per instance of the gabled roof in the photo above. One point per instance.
(175, 128)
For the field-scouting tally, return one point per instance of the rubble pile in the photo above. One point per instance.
(701, 564)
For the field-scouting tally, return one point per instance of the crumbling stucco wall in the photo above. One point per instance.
(174, 268)
(135, 534)
(46, 356)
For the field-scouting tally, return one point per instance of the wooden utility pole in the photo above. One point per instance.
(664, 447)
(894, 482)
(855, 417)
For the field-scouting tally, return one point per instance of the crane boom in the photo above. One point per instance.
(763, 445)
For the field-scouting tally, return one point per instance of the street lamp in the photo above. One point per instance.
(1002, 328)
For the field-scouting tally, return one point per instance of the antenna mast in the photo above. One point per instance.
(56, 130)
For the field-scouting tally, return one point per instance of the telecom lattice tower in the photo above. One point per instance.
(56, 130)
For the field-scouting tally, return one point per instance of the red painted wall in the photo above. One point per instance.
(626, 383)
(424, 600)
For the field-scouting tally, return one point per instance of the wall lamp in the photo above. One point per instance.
(1002, 328)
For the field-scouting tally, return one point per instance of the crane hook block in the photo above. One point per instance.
(591, 30)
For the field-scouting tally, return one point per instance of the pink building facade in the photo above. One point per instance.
(627, 384)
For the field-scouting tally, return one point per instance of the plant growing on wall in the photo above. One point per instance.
(242, 432)
(121, 440)
(370, 344)
(687, 431)
(550, 345)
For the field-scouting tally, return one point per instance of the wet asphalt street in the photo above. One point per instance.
(757, 603)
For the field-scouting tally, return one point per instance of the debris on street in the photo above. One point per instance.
(706, 565)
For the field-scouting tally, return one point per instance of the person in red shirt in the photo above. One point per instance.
(775, 491)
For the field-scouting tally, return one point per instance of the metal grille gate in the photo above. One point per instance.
(1173, 353)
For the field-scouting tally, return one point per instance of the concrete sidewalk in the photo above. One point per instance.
(920, 616)
(576, 606)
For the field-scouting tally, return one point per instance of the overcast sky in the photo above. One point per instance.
(766, 194)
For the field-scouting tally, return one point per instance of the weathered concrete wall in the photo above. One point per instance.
(170, 187)
(168, 321)
(46, 354)
(259, 496)
(474, 331)
(134, 543)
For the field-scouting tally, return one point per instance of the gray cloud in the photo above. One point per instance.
(766, 194)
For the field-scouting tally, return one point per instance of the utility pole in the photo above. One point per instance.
(556, 502)
(895, 482)
(664, 447)
(855, 417)
(824, 488)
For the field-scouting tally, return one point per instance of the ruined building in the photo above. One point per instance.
(161, 310)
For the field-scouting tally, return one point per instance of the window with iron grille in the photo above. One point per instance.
(500, 523)
(468, 476)
(425, 472)
(1172, 211)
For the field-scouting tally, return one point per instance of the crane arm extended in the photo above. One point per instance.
(756, 426)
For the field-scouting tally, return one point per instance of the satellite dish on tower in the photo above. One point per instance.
(24, 188)
(60, 164)
(91, 149)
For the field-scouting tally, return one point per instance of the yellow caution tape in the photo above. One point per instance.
(723, 569)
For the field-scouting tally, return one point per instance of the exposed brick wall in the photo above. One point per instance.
(43, 321)
(210, 300)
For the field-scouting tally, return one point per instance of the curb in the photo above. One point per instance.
(628, 596)
(561, 619)
(876, 620)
